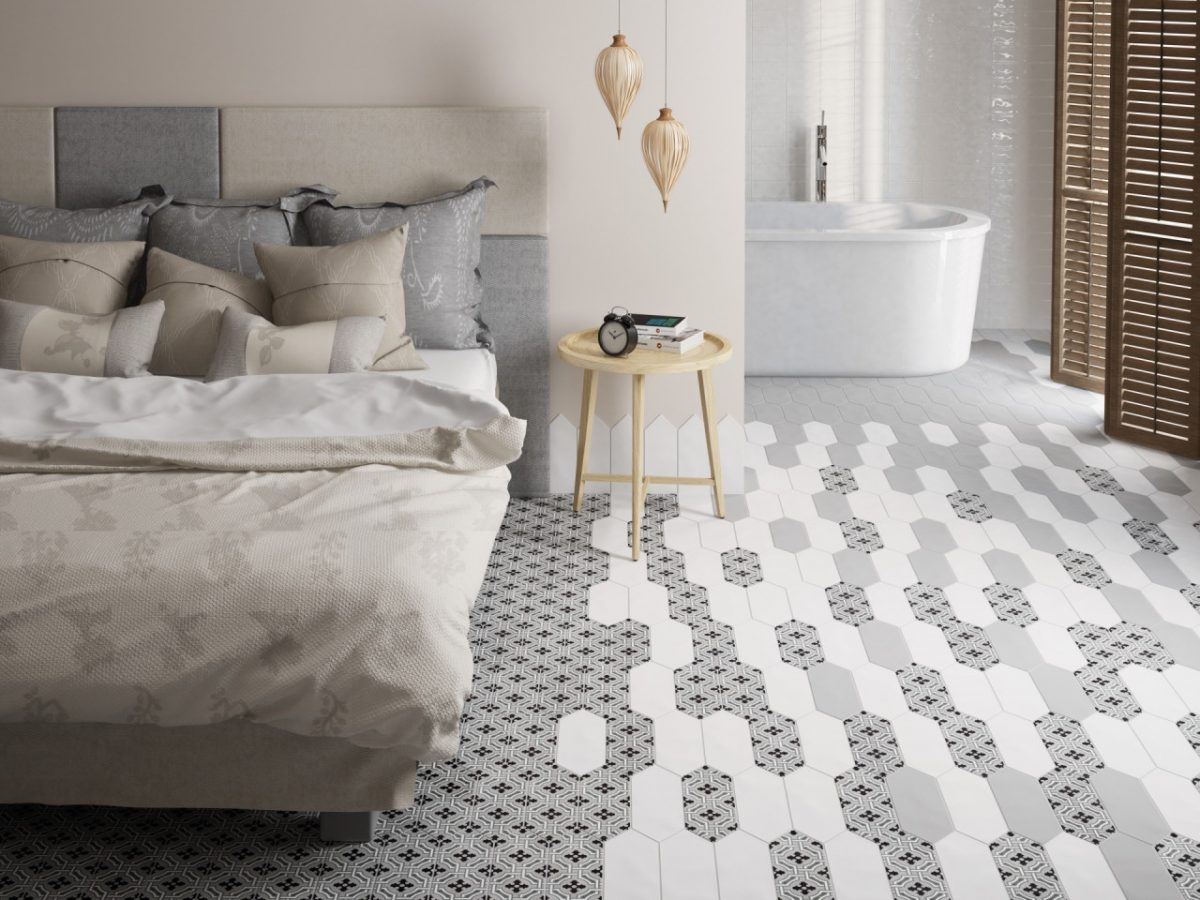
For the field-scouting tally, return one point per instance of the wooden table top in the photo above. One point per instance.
(581, 349)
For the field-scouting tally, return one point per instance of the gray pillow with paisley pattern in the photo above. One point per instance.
(124, 222)
(251, 345)
(45, 339)
(442, 285)
(222, 233)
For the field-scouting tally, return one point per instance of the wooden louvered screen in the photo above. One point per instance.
(1153, 378)
(1081, 193)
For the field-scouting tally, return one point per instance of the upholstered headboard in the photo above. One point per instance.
(74, 157)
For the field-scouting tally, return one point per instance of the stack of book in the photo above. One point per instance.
(668, 334)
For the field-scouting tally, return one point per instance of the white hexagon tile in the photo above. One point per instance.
(946, 646)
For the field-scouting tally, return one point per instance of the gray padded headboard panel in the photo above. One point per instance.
(516, 307)
(104, 154)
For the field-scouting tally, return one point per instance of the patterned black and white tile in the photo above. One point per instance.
(946, 646)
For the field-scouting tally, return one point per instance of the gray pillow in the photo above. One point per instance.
(222, 233)
(442, 286)
(44, 339)
(251, 345)
(124, 222)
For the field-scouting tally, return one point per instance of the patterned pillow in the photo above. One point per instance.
(123, 222)
(222, 233)
(441, 267)
(250, 345)
(316, 284)
(195, 297)
(89, 278)
(44, 339)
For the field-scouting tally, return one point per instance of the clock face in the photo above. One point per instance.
(613, 338)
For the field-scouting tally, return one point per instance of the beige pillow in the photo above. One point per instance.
(90, 279)
(250, 345)
(362, 278)
(44, 339)
(195, 297)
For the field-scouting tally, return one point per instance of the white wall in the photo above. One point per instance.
(610, 242)
(948, 101)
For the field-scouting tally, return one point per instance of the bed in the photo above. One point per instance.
(255, 594)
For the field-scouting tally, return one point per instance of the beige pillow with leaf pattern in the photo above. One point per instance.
(250, 345)
(195, 297)
(362, 278)
(45, 339)
(90, 279)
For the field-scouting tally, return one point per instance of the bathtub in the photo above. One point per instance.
(873, 289)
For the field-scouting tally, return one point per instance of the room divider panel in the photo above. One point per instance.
(1152, 394)
(1080, 305)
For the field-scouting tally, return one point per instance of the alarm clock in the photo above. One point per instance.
(618, 334)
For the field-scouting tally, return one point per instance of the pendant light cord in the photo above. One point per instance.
(666, 51)
(619, 31)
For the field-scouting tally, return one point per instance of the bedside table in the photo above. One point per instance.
(581, 350)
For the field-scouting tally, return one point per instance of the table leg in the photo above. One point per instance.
(708, 408)
(587, 415)
(638, 493)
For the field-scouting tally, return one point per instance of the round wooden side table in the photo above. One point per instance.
(580, 349)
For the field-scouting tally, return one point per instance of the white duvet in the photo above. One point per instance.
(299, 551)
(37, 406)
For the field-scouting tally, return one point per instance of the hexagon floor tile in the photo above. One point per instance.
(969, 586)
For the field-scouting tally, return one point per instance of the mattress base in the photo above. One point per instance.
(232, 765)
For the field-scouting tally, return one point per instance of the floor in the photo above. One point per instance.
(947, 645)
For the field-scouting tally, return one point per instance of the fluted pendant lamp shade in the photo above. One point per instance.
(665, 141)
(665, 146)
(619, 78)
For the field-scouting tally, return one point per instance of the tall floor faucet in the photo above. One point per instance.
(822, 158)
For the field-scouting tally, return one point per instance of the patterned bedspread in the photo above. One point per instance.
(316, 584)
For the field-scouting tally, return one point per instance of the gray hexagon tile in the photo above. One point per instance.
(775, 742)
(741, 567)
(1026, 869)
(838, 479)
(709, 809)
(1009, 604)
(861, 535)
(969, 507)
(884, 644)
(848, 603)
(1150, 536)
(799, 644)
(1084, 568)
(790, 535)
(800, 868)
(1182, 858)
(1099, 480)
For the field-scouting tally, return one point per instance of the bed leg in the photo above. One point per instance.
(348, 827)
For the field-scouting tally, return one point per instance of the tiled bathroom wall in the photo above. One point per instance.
(941, 101)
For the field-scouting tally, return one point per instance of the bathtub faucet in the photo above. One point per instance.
(822, 158)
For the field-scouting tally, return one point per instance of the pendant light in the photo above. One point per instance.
(665, 141)
(619, 75)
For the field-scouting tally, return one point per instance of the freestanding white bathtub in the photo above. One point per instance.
(860, 288)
